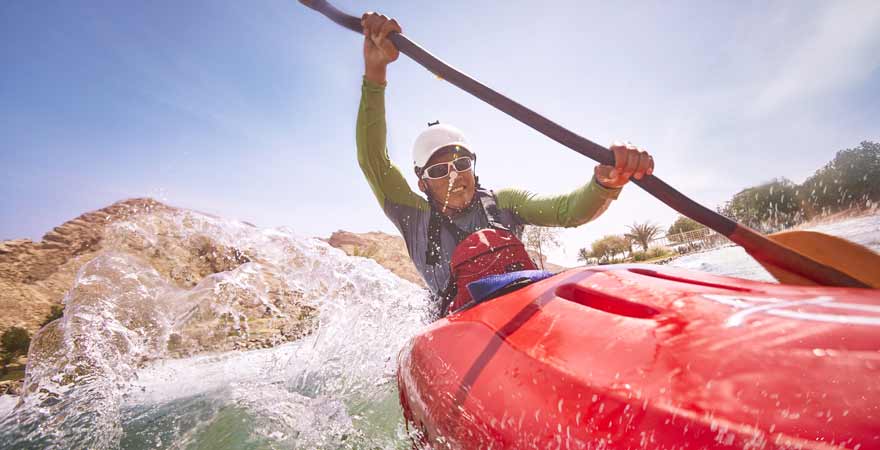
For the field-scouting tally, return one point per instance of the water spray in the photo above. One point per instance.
(453, 174)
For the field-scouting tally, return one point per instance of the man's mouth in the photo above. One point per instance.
(457, 189)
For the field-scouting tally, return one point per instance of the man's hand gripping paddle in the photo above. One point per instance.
(795, 257)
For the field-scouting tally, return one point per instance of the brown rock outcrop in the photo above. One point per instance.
(36, 275)
(387, 250)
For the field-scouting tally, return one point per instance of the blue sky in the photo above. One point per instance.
(246, 109)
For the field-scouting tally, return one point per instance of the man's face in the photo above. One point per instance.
(454, 191)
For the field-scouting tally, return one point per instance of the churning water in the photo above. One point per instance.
(104, 376)
(112, 373)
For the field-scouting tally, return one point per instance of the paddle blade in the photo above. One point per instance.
(852, 259)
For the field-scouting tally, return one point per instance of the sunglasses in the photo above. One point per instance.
(441, 170)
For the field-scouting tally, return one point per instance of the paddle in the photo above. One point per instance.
(789, 265)
(855, 260)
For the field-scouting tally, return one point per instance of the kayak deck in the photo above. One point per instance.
(639, 356)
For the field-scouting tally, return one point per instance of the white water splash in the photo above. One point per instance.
(103, 378)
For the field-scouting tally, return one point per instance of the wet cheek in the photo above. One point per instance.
(439, 188)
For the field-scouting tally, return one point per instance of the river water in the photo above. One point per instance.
(113, 384)
(735, 262)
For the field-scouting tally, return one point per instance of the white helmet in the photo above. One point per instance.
(434, 138)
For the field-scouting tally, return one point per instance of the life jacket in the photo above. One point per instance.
(486, 252)
(489, 251)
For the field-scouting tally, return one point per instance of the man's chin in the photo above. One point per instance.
(459, 204)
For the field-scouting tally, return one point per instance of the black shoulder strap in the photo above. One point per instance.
(490, 208)
(437, 220)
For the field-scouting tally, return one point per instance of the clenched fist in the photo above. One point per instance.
(379, 51)
(629, 161)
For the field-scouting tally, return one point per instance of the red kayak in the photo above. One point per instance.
(650, 357)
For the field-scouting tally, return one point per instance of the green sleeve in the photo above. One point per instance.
(570, 210)
(385, 179)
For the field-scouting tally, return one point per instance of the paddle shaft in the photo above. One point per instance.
(753, 242)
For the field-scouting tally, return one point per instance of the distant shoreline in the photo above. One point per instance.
(838, 216)
(851, 213)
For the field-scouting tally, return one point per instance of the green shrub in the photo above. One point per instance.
(56, 313)
(369, 252)
(659, 252)
(14, 342)
(651, 254)
(682, 225)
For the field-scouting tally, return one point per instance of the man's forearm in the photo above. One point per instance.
(569, 210)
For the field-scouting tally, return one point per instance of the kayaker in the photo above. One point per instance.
(444, 164)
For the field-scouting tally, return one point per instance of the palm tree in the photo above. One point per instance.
(643, 233)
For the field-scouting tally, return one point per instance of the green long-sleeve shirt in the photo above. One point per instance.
(410, 212)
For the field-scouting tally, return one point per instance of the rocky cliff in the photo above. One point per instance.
(34, 276)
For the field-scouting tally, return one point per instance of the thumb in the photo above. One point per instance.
(605, 172)
(607, 176)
